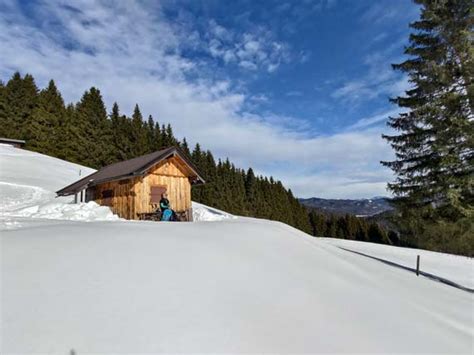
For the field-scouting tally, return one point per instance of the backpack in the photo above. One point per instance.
(167, 215)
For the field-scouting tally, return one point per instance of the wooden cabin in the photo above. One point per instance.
(134, 187)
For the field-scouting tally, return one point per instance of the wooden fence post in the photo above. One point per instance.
(417, 265)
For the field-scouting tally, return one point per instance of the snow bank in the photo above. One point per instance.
(87, 212)
(203, 213)
(28, 182)
(17, 196)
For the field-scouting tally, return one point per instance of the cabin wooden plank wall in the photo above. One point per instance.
(132, 196)
(169, 173)
(122, 201)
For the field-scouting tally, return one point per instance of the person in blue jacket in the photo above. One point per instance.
(164, 202)
(167, 214)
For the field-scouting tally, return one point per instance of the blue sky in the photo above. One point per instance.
(296, 89)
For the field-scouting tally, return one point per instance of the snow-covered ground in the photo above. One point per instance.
(98, 285)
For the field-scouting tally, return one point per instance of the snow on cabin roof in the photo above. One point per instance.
(10, 141)
(128, 168)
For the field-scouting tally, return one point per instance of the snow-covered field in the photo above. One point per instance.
(76, 277)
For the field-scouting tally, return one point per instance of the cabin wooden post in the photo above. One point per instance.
(189, 214)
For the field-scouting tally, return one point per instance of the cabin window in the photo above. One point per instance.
(156, 192)
(107, 198)
(107, 193)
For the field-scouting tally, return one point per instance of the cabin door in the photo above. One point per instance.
(155, 195)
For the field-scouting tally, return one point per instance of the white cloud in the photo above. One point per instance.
(379, 80)
(372, 120)
(134, 56)
(248, 50)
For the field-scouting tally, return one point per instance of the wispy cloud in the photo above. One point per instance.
(379, 80)
(373, 120)
(258, 49)
(134, 55)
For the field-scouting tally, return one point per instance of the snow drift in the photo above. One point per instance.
(236, 285)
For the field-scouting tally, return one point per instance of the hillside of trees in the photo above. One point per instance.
(85, 133)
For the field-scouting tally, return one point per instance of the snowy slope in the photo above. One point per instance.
(28, 182)
(235, 285)
(28, 177)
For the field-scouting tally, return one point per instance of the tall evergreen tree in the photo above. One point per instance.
(96, 141)
(185, 147)
(20, 96)
(120, 134)
(150, 132)
(72, 136)
(43, 133)
(435, 145)
(138, 133)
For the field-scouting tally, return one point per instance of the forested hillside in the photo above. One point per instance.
(85, 133)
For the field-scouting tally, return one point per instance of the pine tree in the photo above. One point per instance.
(150, 132)
(185, 147)
(158, 139)
(435, 144)
(72, 135)
(43, 131)
(377, 234)
(138, 136)
(96, 141)
(120, 134)
(170, 135)
(20, 96)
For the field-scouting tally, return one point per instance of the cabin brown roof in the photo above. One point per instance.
(127, 169)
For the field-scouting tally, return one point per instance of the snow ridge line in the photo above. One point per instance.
(423, 273)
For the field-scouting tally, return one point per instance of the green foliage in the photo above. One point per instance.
(348, 227)
(19, 98)
(454, 238)
(43, 129)
(435, 141)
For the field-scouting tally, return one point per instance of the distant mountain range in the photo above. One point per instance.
(362, 208)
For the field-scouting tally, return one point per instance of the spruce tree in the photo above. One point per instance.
(20, 96)
(120, 132)
(96, 141)
(435, 142)
(43, 131)
(72, 135)
(185, 147)
(138, 136)
(150, 132)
